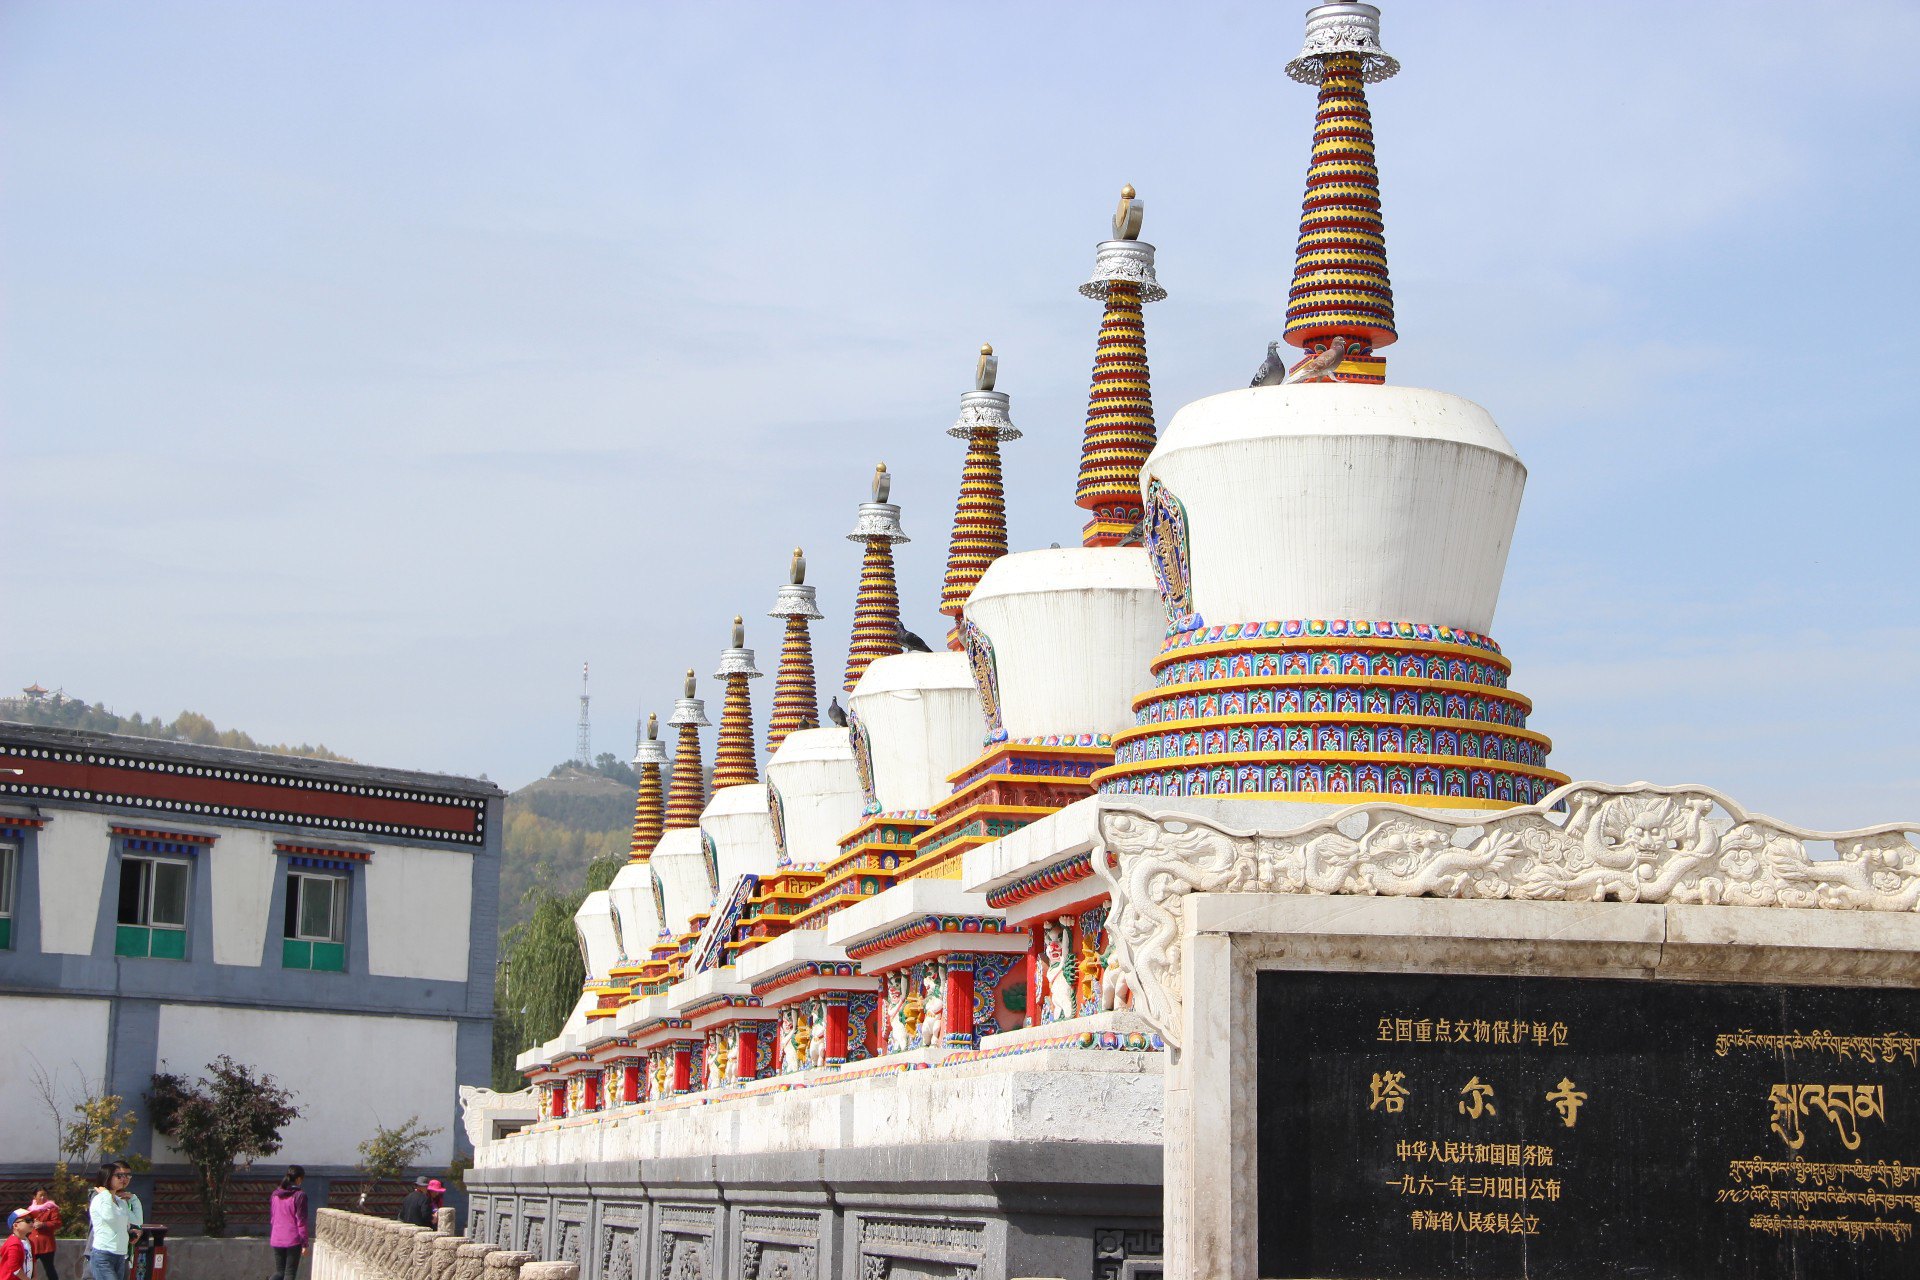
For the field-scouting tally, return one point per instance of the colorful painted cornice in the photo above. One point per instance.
(688, 794)
(1332, 708)
(980, 517)
(650, 806)
(1119, 431)
(876, 610)
(795, 701)
(733, 761)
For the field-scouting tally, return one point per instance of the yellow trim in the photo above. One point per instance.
(1339, 797)
(1319, 717)
(1236, 758)
(1380, 682)
(1245, 644)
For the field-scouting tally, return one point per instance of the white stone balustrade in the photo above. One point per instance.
(357, 1246)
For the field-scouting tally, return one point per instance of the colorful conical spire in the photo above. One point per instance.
(650, 808)
(688, 794)
(795, 702)
(876, 611)
(1119, 433)
(1341, 293)
(733, 764)
(980, 518)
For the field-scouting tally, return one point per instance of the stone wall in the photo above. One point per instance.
(355, 1246)
(984, 1210)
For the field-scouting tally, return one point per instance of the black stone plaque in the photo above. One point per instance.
(1441, 1128)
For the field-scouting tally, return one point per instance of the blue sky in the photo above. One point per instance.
(365, 367)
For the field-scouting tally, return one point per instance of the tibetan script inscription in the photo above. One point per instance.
(1596, 1129)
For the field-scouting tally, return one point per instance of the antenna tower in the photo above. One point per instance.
(583, 749)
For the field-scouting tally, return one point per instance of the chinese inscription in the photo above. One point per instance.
(1560, 1129)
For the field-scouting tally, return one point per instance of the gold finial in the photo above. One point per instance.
(987, 369)
(882, 483)
(689, 686)
(1126, 219)
(739, 633)
(653, 726)
(797, 571)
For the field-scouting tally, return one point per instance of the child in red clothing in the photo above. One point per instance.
(16, 1255)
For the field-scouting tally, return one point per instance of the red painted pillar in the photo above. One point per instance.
(959, 998)
(682, 1068)
(1036, 975)
(557, 1099)
(590, 1091)
(630, 1082)
(746, 1056)
(836, 1051)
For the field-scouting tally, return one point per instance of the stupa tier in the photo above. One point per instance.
(1119, 430)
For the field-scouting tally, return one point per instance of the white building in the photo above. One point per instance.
(161, 904)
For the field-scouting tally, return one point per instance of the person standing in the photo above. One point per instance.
(287, 1224)
(116, 1218)
(46, 1232)
(16, 1252)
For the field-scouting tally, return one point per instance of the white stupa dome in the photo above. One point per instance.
(814, 789)
(681, 863)
(736, 820)
(1073, 631)
(1326, 500)
(921, 714)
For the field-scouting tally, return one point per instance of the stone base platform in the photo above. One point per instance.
(1033, 1157)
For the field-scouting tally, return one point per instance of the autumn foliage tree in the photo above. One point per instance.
(226, 1118)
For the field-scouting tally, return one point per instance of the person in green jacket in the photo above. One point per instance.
(116, 1218)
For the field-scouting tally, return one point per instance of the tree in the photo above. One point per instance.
(229, 1116)
(541, 971)
(99, 1130)
(389, 1153)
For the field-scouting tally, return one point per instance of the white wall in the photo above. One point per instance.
(242, 868)
(73, 873)
(348, 1072)
(68, 1039)
(419, 909)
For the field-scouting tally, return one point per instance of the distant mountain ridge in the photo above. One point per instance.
(54, 709)
(556, 826)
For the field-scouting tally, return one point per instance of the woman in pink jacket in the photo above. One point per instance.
(287, 1220)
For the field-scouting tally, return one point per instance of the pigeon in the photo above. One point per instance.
(1136, 535)
(1318, 367)
(809, 723)
(909, 642)
(1273, 370)
(987, 369)
(836, 713)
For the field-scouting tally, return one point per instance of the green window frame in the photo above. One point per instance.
(9, 888)
(156, 896)
(314, 931)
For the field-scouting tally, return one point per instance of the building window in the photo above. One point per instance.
(9, 880)
(153, 909)
(316, 924)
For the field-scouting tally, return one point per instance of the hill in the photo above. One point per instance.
(56, 710)
(556, 826)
